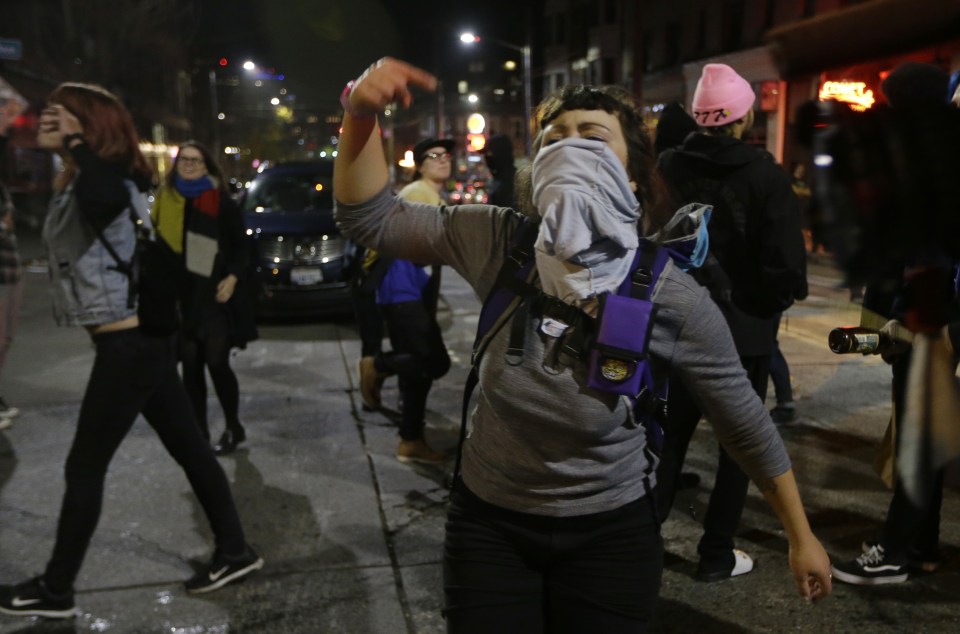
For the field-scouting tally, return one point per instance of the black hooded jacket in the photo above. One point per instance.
(755, 231)
(499, 157)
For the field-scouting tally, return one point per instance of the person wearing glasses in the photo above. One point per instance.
(406, 295)
(198, 220)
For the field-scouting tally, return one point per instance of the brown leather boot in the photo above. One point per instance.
(371, 382)
(418, 451)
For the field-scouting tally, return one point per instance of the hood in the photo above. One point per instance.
(685, 235)
(719, 150)
(674, 127)
(499, 155)
(314, 221)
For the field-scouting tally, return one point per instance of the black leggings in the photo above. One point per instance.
(134, 374)
(213, 352)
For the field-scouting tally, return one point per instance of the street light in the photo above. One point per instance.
(470, 38)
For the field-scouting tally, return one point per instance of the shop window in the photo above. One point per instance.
(610, 12)
(770, 13)
(733, 25)
(672, 43)
(702, 31)
(606, 71)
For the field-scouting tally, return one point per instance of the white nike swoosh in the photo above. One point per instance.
(216, 575)
(880, 568)
(19, 603)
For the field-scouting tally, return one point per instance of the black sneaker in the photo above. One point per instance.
(32, 598)
(917, 561)
(783, 414)
(872, 568)
(223, 570)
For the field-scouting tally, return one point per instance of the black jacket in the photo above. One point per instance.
(755, 231)
(202, 315)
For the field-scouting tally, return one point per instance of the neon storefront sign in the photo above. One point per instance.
(854, 93)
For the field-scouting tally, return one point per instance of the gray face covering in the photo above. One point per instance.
(588, 234)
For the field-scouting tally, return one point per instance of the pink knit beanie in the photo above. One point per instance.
(722, 96)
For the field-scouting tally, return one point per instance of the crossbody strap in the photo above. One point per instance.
(122, 266)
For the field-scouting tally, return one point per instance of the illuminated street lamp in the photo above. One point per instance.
(470, 38)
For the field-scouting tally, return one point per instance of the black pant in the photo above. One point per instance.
(369, 319)
(730, 488)
(505, 571)
(780, 372)
(418, 358)
(134, 374)
(910, 530)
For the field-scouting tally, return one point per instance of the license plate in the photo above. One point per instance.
(305, 275)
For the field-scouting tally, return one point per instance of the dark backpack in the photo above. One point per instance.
(615, 365)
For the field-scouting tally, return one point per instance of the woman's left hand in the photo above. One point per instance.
(225, 288)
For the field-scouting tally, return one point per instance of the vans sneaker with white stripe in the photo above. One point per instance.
(872, 568)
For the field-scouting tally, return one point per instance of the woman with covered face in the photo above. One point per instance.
(551, 525)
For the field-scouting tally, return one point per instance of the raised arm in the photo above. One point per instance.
(360, 169)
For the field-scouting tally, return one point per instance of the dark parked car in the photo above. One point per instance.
(302, 263)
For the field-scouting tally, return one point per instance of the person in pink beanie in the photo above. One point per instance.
(722, 97)
(755, 270)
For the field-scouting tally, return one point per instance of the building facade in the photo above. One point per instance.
(657, 48)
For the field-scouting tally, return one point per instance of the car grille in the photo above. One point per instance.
(301, 250)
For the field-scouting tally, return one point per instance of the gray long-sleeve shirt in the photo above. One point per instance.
(541, 441)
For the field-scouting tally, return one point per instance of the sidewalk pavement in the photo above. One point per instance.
(353, 539)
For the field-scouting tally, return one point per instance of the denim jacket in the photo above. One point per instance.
(87, 288)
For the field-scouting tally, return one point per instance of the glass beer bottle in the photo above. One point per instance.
(857, 339)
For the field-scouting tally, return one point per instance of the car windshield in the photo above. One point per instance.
(289, 192)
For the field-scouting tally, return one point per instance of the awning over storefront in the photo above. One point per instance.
(869, 30)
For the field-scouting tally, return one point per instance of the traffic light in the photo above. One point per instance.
(476, 139)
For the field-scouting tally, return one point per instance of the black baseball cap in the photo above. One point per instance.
(421, 148)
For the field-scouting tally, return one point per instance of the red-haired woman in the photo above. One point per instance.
(97, 196)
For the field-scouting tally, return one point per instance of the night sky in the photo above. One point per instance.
(320, 44)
